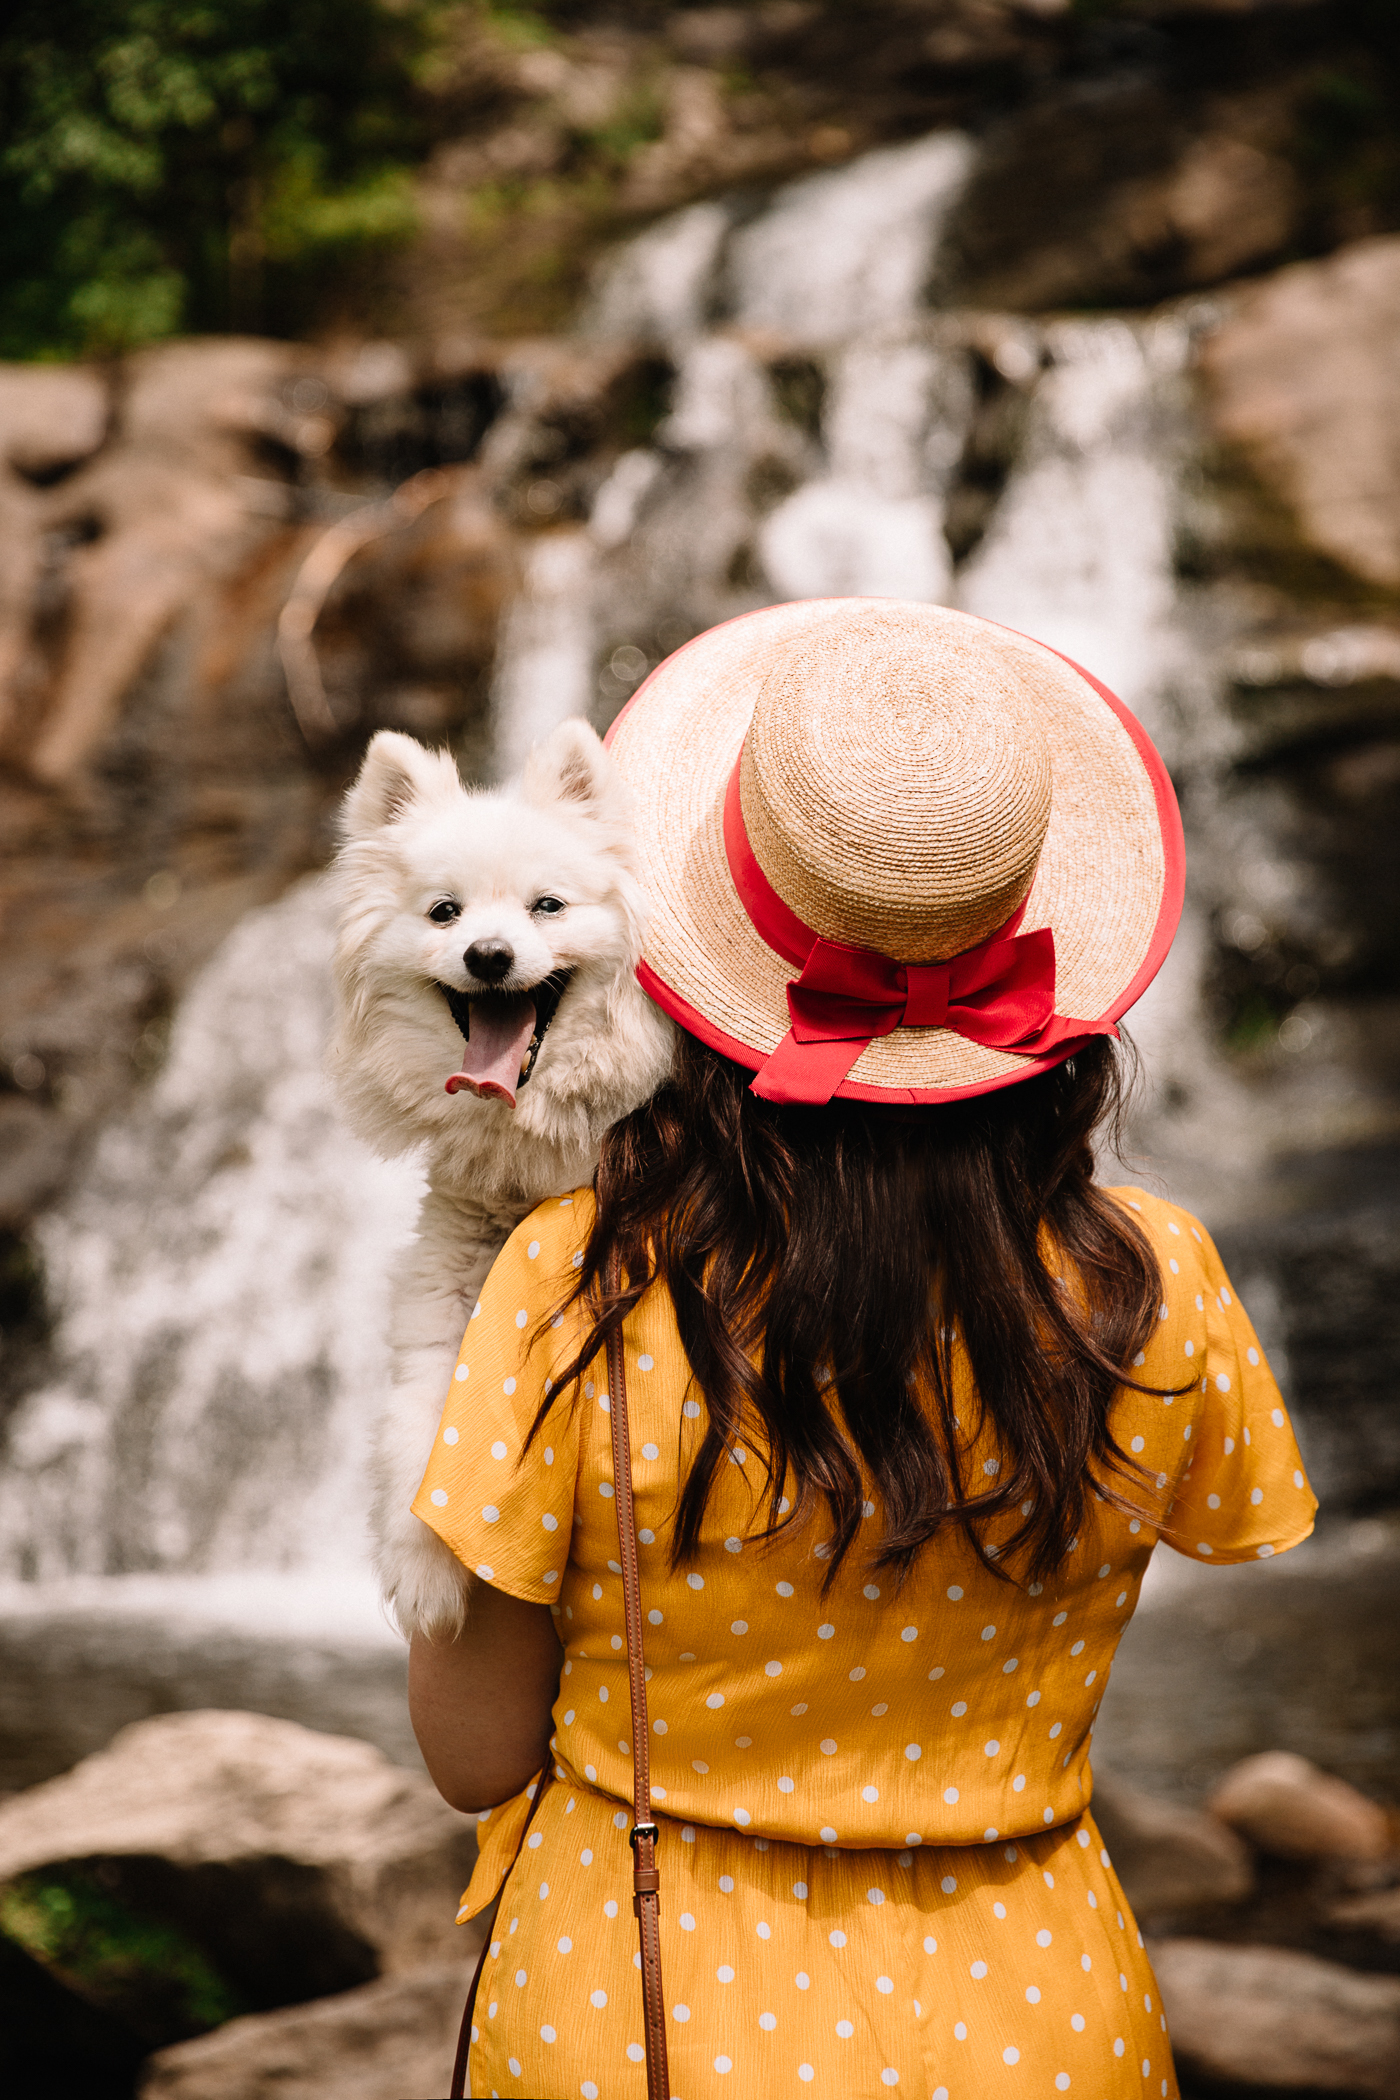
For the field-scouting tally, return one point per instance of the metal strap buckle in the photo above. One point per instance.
(641, 1830)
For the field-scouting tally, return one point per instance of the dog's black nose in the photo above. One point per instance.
(489, 961)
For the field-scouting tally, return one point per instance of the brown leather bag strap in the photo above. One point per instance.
(646, 1883)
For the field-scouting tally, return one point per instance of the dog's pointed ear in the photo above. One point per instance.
(397, 772)
(572, 767)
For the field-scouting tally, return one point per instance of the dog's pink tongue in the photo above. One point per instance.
(501, 1029)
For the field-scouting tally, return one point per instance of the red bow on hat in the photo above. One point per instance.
(1000, 993)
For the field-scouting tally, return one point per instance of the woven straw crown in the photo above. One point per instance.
(908, 779)
(895, 798)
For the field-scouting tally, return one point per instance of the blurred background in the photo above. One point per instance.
(442, 365)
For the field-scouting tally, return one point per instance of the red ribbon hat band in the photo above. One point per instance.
(999, 994)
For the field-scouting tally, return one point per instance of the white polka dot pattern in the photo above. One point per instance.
(776, 1709)
(770, 1996)
(772, 1645)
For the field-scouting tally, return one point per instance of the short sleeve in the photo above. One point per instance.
(505, 1511)
(1244, 1495)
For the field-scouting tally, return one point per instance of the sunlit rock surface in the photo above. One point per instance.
(1303, 378)
(304, 1863)
(1267, 2018)
(387, 2038)
(1285, 1805)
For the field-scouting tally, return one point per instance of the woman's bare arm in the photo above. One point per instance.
(480, 1704)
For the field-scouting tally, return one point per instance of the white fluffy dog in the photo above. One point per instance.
(488, 1015)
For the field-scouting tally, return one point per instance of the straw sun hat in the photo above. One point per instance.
(893, 852)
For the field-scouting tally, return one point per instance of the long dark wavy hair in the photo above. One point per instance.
(824, 1263)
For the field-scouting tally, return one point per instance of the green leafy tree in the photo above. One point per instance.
(171, 165)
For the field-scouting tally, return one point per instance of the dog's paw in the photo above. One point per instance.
(424, 1586)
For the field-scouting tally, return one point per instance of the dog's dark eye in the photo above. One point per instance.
(445, 911)
(548, 905)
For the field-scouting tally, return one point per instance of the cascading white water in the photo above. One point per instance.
(1079, 553)
(219, 1268)
(851, 250)
(661, 284)
(872, 524)
(545, 669)
(221, 1272)
(1079, 550)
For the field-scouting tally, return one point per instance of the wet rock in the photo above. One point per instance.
(381, 2042)
(1303, 378)
(51, 418)
(1332, 1259)
(155, 780)
(1257, 2017)
(302, 1863)
(1137, 203)
(1286, 1806)
(157, 517)
(1169, 1858)
(1368, 1922)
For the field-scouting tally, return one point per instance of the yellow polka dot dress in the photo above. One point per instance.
(879, 1868)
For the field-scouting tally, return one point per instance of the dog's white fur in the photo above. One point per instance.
(412, 835)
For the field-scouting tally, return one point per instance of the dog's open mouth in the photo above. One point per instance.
(501, 1035)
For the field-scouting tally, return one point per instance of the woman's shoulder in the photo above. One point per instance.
(1171, 1231)
(557, 1227)
(539, 1258)
(559, 1220)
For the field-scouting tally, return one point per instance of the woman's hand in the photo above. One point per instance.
(480, 1704)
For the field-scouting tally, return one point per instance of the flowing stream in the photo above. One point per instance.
(182, 1506)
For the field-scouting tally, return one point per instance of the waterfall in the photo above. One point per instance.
(872, 524)
(662, 283)
(1079, 549)
(857, 241)
(219, 1265)
(545, 667)
(1079, 553)
(220, 1269)
(855, 245)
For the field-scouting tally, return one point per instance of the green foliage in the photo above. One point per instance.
(173, 164)
(1251, 1024)
(517, 28)
(142, 1968)
(636, 122)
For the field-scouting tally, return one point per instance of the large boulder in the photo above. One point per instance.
(1367, 1922)
(1286, 1806)
(1169, 1859)
(52, 418)
(385, 2041)
(1256, 2017)
(1304, 379)
(302, 1863)
(1150, 199)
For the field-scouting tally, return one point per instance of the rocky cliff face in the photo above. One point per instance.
(1132, 151)
(159, 775)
